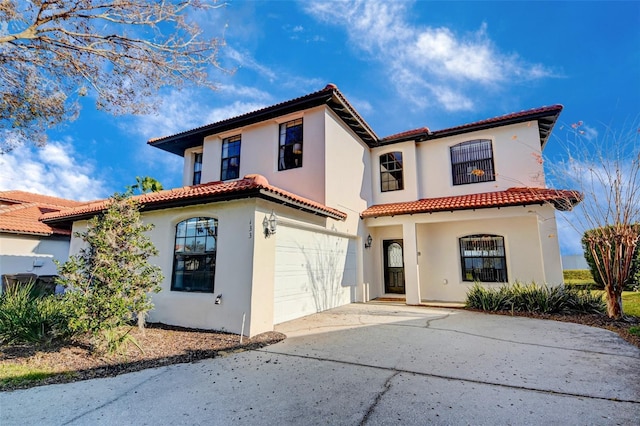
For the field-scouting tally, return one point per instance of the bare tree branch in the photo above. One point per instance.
(606, 169)
(124, 51)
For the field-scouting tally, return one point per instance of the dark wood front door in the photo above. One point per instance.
(393, 267)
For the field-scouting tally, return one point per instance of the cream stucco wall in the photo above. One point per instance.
(347, 167)
(530, 240)
(259, 154)
(31, 254)
(411, 169)
(517, 161)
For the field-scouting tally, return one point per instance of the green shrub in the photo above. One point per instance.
(533, 298)
(487, 299)
(26, 317)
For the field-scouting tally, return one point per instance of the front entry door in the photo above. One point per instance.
(393, 267)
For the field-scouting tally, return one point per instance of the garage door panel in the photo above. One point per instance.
(314, 272)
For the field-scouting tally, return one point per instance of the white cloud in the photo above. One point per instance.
(244, 59)
(425, 63)
(55, 169)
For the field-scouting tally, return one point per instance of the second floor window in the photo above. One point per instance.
(472, 162)
(290, 145)
(197, 168)
(391, 172)
(230, 168)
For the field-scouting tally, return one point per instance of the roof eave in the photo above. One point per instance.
(546, 121)
(178, 143)
(255, 192)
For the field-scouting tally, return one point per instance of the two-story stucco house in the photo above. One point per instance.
(301, 207)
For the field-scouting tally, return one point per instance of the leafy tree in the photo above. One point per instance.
(143, 185)
(122, 52)
(110, 278)
(606, 170)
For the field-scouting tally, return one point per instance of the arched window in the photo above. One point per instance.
(194, 262)
(391, 172)
(483, 258)
(472, 162)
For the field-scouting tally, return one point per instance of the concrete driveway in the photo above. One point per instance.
(371, 364)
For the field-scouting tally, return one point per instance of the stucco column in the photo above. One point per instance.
(411, 275)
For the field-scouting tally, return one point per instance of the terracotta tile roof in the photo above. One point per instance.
(561, 199)
(15, 196)
(407, 134)
(255, 186)
(546, 117)
(22, 214)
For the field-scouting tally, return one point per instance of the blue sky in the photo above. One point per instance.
(403, 65)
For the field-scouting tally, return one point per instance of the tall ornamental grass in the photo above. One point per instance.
(534, 298)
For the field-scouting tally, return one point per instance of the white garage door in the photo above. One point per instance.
(313, 272)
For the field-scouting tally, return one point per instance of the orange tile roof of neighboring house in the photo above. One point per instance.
(561, 199)
(15, 196)
(255, 186)
(22, 214)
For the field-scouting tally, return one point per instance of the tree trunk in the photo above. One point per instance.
(614, 302)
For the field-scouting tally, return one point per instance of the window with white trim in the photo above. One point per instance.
(194, 261)
(472, 162)
(483, 258)
(290, 145)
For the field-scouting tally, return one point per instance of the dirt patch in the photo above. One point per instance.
(162, 345)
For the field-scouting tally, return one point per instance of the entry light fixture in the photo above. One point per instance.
(367, 243)
(269, 224)
(218, 299)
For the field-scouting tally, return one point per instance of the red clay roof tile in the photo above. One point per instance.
(25, 209)
(561, 199)
(250, 185)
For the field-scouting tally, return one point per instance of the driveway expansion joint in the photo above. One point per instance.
(122, 394)
(452, 378)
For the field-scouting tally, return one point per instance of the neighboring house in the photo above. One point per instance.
(300, 207)
(27, 245)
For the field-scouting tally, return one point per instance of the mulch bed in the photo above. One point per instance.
(165, 345)
(162, 345)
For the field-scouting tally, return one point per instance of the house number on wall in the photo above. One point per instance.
(250, 230)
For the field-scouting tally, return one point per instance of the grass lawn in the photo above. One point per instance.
(631, 303)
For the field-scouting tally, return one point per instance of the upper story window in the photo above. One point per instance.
(194, 262)
(391, 172)
(230, 168)
(197, 168)
(290, 145)
(483, 258)
(472, 162)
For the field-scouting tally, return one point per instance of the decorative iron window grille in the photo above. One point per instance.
(483, 258)
(472, 162)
